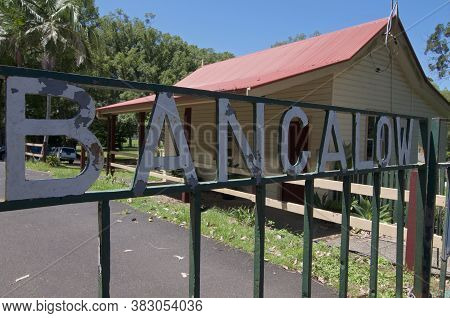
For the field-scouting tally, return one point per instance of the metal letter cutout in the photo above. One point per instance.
(226, 115)
(302, 160)
(164, 107)
(332, 131)
(17, 127)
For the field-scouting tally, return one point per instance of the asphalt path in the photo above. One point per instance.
(53, 252)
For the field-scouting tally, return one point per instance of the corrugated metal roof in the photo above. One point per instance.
(278, 63)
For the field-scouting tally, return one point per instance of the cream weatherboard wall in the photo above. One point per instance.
(362, 87)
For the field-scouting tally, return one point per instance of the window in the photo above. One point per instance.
(371, 137)
(371, 134)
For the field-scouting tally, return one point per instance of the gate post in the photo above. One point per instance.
(425, 208)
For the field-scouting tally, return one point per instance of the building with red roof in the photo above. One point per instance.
(353, 67)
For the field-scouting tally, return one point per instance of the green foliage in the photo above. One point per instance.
(53, 161)
(362, 208)
(132, 49)
(325, 203)
(437, 47)
(295, 38)
(127, 127)
(243, 214)
(55, 34)
(70, 36)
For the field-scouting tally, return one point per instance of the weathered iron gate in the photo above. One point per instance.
(429, 134)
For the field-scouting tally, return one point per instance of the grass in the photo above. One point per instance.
(234, 227)
(121, 179)
(125, 148)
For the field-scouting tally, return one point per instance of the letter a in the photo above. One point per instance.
(331, 130)
(164, 107)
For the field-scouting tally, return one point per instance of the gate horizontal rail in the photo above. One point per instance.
(94, 196)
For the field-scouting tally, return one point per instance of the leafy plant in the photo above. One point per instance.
(325, 203)
(53, 161)
(244, 215)
(363, 208)
(437, 47)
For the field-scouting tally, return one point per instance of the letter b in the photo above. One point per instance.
(17, 127)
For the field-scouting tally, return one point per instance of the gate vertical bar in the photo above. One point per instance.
(345, 237)
(444, 257)
(104, 249)
(194, 244)
(399, 214)
(432, 184)
(426, 197)
(307, 237)
(258, 145)
(375, 233)
(258, 265)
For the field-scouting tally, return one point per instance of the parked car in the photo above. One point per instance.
(2, 152)
(66, 154)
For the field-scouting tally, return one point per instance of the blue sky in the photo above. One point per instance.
(246, 26)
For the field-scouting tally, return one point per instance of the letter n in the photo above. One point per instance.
(254, 161)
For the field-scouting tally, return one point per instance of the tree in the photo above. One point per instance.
(127, 128)
(132, 49)
(56, 26)
(295, 38)
(69, 36)
(14, 40)
(437, 47)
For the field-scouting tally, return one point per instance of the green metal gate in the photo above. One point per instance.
(427, 185)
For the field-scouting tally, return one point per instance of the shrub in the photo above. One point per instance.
(325, 203)
(53, 161)
(363, 208)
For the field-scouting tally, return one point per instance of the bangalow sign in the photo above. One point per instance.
(164, 109)
(394, 153)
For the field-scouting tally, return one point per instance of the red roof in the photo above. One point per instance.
(274, 64)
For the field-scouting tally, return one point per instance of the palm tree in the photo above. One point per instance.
(56, 23)
(14, 42)
(14, 39)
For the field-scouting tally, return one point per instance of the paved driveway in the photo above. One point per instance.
(57, 247)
